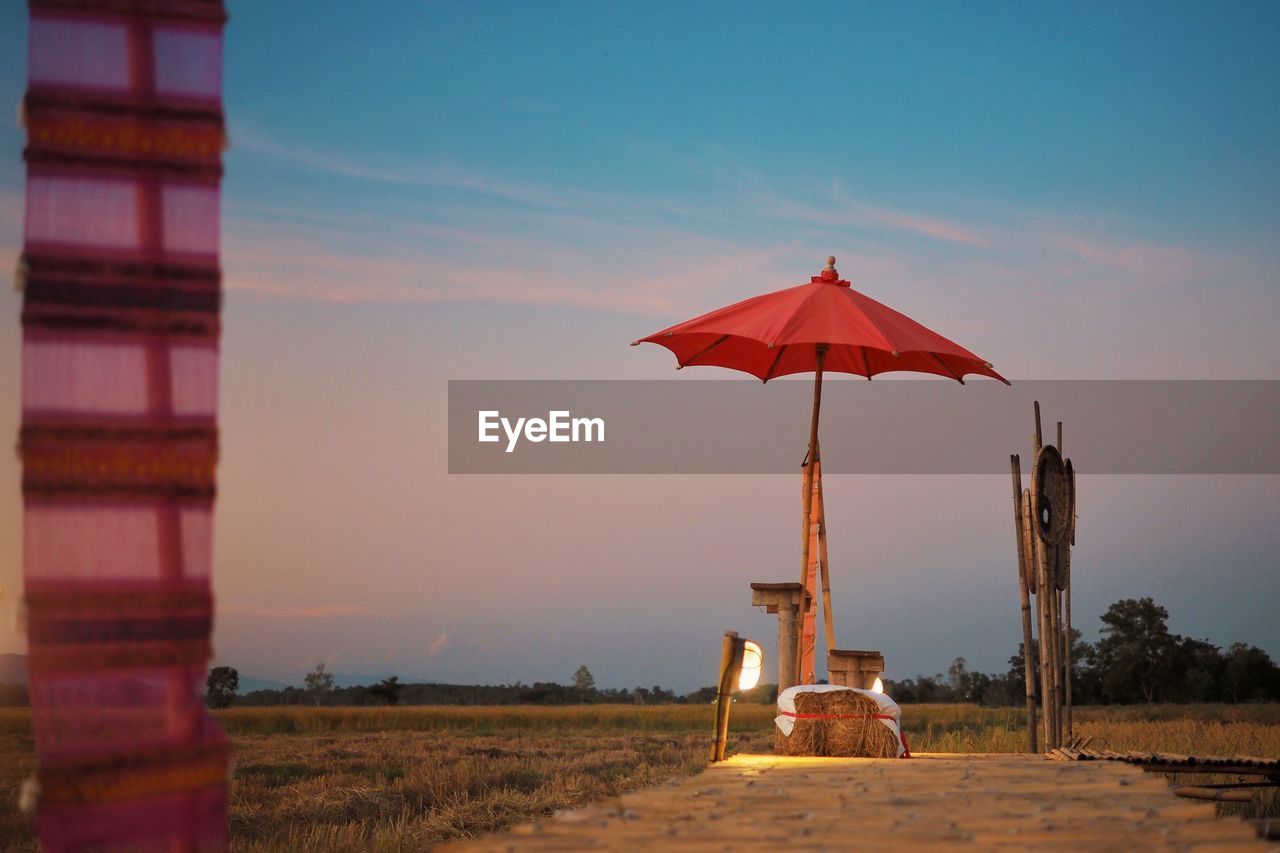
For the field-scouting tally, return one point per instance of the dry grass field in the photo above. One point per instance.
(408, 778)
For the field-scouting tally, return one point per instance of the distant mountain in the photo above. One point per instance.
(248, 684)
(340, 680)
(344, 680)
(13, 669)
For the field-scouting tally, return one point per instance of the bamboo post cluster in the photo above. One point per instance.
(1044, 522)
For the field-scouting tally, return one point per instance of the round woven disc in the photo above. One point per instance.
(1051, 498)
(1063, 576)
(1071, 487)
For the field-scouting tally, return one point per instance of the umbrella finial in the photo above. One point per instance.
(829, 274)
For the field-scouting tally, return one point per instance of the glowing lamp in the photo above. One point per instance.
(752, 665)
(878, 687)
(741, 662)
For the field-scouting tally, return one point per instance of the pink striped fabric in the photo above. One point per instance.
(122, 294)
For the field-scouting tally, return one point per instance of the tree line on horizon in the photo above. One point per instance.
(1137, 659)
(318, 689)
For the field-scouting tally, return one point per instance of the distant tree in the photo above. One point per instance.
(1137, 656)
(221, 686)
(1084, 675)
(1200, 672)
(764, 693)
(966, 686)
(386, 691)
(583, 679)
(1249, 674)
(660, 694)
(701, 696)
(1016, 677)
(932, 689)
(319, 684)
(922, 688)
(1086, 678)
(999, 691)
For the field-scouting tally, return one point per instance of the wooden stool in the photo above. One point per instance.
(853, 668)
(784, 600)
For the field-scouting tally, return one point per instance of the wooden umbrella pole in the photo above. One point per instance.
(807, 504)
(1028, 647)
(828, 619)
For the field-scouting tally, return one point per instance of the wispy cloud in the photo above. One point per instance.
(1137, 257)
(438, 646)
(311, 270)
(928, 226)
(629, 252)
(839, 209)
(420, 173)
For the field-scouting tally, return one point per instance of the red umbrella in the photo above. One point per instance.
(824, 325)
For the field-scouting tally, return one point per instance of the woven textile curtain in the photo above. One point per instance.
(122, 292)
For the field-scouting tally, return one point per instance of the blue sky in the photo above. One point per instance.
(471, 190)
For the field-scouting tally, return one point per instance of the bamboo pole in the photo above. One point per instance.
(1031, 544)
(1064, 565)
(828, 619)
(730, 662)
(1194, 792)
(1056, 615)
(807, 504)
(1066, 595)
(1028, 648)
(1045, 594)
(1046, 665)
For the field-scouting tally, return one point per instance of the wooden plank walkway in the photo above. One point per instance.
(930, 802)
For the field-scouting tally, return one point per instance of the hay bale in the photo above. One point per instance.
(806, 735)
(845, 726)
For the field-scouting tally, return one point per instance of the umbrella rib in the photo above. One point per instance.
(706, 350)
(947, 368)
(774, 366)
(866, 363)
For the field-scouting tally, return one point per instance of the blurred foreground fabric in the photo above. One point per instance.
(122, 294)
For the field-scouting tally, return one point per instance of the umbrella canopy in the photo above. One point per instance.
(781, 333)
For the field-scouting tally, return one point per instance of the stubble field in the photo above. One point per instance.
(410, 778)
